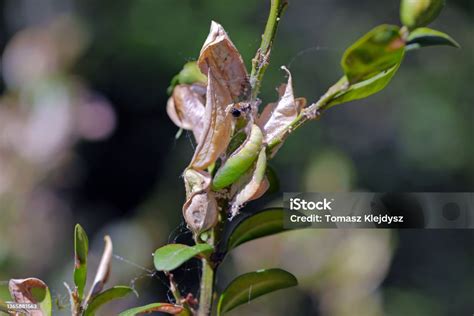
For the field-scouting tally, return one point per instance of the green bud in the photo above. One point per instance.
(417, 13)
(191, 74)
(188, 75)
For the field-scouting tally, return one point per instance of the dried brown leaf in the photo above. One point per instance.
(200, 210)
(186, 108)
(173, 115)
(103, 271)
(24, 291)
(249, 186)
(276, 117)
(196, 181)
(157, 307)
(220, 56)
(218, 125)
(264, 186)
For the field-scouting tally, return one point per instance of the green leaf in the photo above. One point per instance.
(416, 13)
(171, 256)
(423, 36)
(191, 74)
(105, 297)
(81, 249)
(44, 299)
(265, 223)
(155, 307)
(188, 75)
(365, 88)
(252, 285)
(377, 51)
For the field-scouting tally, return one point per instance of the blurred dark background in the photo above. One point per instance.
(84, 137)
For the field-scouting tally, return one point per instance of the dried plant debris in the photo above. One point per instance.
(200, 209)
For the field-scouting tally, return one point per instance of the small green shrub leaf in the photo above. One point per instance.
(377, 51)
(365, 88)
(423, 36)
(154, 307)
(172, 256)
(81, 250)
(252, 285)
(416, 13)
(240, 161)
(265, 223)
(105, 297)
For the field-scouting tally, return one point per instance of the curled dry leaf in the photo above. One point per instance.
(196, 181)
(218, 125)
(186, 108)
(31, 291)
(103, 271)
(276, 117)
(264, 186)
(154, 307)
(251, 185)
(219, 55)
(200, 210)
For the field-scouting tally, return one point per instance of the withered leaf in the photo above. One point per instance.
(103, 271)
(200, 210)
(186, 108)
(264, 186)
(218, 125)
(31, 291)
(155, 307)
(276, 117)
(220, 56)
(249, 186)
(196, 181)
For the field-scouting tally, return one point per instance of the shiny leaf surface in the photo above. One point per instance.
(265, 223)
(423, 36)
(170, 257)
(81, 250)
(105, 297)
(377, 51)
(252, 285)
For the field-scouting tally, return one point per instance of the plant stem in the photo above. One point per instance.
(259, 65)
(207, 285)
(177, 295)
(262, 57)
